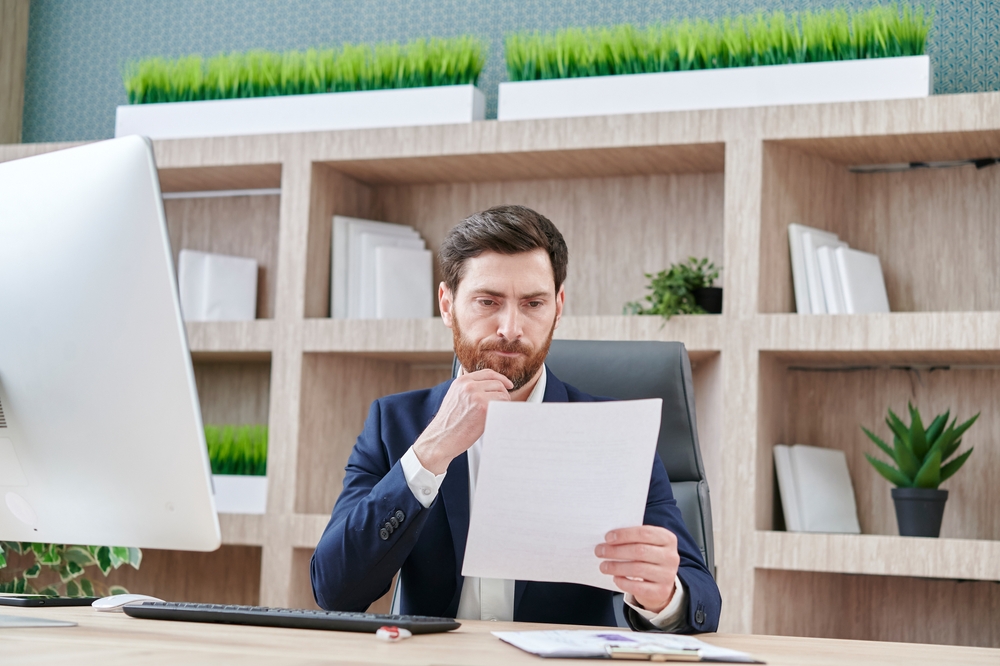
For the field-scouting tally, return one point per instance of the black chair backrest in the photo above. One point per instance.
(627, 370)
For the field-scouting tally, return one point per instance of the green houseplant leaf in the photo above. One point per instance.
(891, 474)
(929, 475)
(950, 468)
(918, 437)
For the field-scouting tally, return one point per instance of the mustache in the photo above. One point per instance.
(507, 346)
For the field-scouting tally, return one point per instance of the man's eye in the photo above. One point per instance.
(534, 304)
(486, 302)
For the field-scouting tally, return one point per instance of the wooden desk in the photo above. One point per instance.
(114, 639)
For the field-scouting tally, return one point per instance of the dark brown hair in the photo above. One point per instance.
(506, 230)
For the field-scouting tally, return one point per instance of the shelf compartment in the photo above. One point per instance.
(928, 266)
(879, 555)
(617, 227)
(823, 399)
(876, 608)
(234, 392)
(229, 575)
(242, 226)
(337, 392)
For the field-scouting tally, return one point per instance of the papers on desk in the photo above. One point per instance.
(19, 622)
(583, 644)
(554, 478)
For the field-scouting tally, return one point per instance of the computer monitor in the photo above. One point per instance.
(101, 440)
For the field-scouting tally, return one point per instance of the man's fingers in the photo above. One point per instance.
(487, 374)
(652, 534)
(651, 573)
(640, 589)
(637, 552)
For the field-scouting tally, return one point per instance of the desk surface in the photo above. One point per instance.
(114, 639)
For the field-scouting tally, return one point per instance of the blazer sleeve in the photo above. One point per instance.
(375, 524)
(703, 597)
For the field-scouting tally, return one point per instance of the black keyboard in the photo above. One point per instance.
(286, 617)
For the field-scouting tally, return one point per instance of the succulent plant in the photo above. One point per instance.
(920, 453)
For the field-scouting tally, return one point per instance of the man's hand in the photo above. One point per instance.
(461, 419)
(644, 562)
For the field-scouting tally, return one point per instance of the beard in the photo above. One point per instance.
(518, 369)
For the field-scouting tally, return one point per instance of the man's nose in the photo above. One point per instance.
(509, 326)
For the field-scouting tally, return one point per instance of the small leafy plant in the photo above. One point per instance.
(920, 453)
(744, 41)
(673, 289)
(62, 571)
(419, 63)
(240, 450)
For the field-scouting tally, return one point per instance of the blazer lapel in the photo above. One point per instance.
(455, 495)
(555, 391)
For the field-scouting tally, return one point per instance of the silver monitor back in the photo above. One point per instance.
(101, 441)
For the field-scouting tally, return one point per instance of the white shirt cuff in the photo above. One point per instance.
(671, 617)
(422, 482)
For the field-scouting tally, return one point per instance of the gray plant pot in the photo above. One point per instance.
(919, 510)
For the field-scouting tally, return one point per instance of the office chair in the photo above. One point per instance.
(627, 370)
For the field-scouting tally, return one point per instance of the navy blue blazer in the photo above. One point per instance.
(378, 528)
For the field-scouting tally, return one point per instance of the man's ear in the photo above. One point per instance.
(560, 302)
(446, 303)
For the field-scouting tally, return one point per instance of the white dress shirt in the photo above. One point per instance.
(493, 598)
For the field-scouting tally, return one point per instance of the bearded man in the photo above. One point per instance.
(410, 478)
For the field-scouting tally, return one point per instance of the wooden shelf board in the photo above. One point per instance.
(873, 554)
(239, 340)
(239, 177)
(530, 165)
(897, 148)
(699, 333)
(916, 337)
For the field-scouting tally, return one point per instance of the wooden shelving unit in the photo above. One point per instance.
(632, 194)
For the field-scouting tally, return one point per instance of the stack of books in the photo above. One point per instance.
(379, 270)
(816, 490)
(831, 278)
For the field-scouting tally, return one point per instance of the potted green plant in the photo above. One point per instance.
(238, 455)
(422, 82)
(807, 57)
(62, 571)
(920, 454)
(684, 288)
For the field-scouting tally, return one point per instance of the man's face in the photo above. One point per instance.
(503, 313)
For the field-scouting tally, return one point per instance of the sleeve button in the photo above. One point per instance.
(394, 522)
(400, 515)
(699, 616)
(383, 534)
(388, 527)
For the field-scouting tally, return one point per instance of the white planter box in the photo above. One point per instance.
(240, 494)
(216, 287)
(437, 105)
(807, 83)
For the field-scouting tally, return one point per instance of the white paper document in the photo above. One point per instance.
(582, 644)
(554, 478)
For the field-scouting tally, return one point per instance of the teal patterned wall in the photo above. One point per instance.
(76, 47)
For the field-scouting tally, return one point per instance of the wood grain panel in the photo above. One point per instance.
(897, 148)
(937, 234)
(337, 392)
(13, 58)
(639, 160)
(239, 177)
(233, 393)
(802, 189)
(616, 228)
(243, 226)
(968, 559)
(827, 407)
(230, 575)
(877, 608)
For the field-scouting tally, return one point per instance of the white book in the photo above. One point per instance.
(825, 493)
(812, 240)
(404, 283)
(796, 248)
(366, 275)
(830, 276)
(787, 489)
(344, 256)
(862, 281)
(216, 287)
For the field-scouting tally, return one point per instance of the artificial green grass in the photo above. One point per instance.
(238, 450)
(760, 39)
(420, 63)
